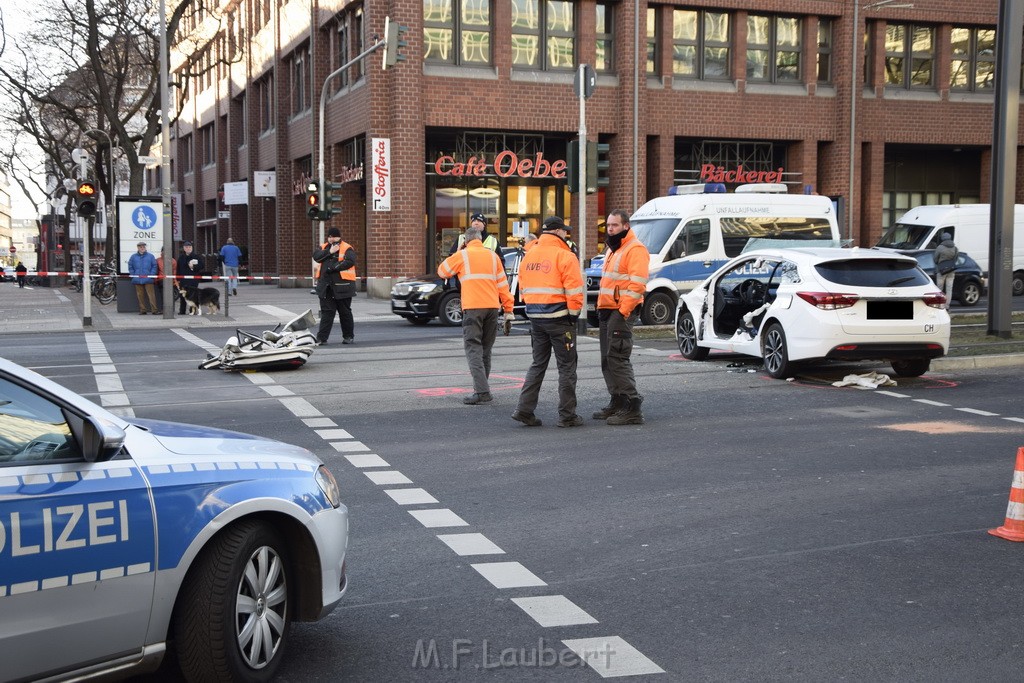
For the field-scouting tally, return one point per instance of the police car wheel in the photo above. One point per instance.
(657, 309)
(233, 616)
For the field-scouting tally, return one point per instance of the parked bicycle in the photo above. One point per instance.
(104, 285)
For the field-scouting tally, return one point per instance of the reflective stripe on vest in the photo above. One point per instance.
(348, 273)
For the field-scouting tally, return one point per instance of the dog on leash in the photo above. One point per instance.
(198, 299)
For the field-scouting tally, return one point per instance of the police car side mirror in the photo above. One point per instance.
(101, 440)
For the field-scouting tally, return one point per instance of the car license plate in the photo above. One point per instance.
(890, 310)
(398, 303)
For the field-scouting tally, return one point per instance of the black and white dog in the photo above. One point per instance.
(198, 299)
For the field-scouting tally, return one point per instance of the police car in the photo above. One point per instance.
(123, 540)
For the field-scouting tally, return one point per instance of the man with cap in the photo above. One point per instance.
(479, 221)
(335, 285)
(484, 288)
(191, 265)
(623, 283)
(552, 288)
(143, 269)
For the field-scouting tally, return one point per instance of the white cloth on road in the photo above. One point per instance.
(868, 380)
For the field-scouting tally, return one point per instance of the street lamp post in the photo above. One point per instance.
(853, 96)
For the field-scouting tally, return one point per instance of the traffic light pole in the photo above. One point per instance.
(320, 172)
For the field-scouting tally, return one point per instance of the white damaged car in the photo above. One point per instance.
(788, 306)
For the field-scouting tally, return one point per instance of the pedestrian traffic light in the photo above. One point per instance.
(85, 198)
(597, 165)
(572, 167)
(313, 200)
(393, 43)
(332, 200)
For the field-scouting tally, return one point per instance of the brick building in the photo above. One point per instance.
(762, 84)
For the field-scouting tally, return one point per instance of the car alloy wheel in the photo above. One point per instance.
(451, 309)
(969, 294)
(686, 337)
(776, 355)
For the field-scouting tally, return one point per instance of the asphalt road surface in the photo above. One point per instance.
(752, 529)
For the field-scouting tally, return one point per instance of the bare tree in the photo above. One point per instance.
(95, 64)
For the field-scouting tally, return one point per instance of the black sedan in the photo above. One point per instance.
(968, 285)
(421, 299)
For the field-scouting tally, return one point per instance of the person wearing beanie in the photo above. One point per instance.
(552, 287)
(335, 286)
(478, 221)
(945, 266)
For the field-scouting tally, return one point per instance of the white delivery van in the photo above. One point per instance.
(695, 230)
(970, 226)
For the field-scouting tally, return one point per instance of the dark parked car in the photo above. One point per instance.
(968, 285)
(421, 299)
(7, 274)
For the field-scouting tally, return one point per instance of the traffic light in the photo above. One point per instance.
(85, 198)
(597, 165)
(393, 43)
(332, 201)
(313, 200)
(572, 167)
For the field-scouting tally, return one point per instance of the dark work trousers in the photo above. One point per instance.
(559, 336)
(479, 328)
(328, 306)
(616, 348)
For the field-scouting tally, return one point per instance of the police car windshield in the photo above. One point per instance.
(654, 233)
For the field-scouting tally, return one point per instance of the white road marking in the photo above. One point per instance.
(436, 518)
(367, 460)
(387, 477)
(277, 390)
(554, 610)
(410, 496)
(1014, 419)
(931, 403)
(114, 400)
(975, 411)
(612, 657)
(349, 446)
(300, 407)
(508, 575)
(333, 434)
(893, 394)
(193, 339)
(319, 422)
(470, 544)
(274, 310)
(100, 369)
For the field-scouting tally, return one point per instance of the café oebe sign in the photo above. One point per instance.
(506, 164)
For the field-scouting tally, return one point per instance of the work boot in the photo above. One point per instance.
(528, 419)
(630, 415)
(476, 399)
(574, 421)
(615, 404)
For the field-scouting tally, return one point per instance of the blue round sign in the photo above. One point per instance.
(144, 218)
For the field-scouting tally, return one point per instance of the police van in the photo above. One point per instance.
(696, 228)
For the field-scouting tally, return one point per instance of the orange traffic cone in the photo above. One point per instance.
(1013, 528)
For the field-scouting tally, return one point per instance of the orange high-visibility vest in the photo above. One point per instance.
(482, 277)
(348, 273)
(624, 276)
(550, 277)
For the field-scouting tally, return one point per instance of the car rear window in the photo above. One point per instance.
(873, 273)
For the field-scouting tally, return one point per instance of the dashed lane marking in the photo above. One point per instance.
(367, 460)
(410, 496)
(433, 519)
(975, 411)
(612, 657)
(508, 575)
(333, 434)
(470, 544)
(349, 446)
(387, 477)
(925, 401)
(554, 610)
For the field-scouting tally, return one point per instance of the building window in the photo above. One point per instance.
(909, 56)
(348, 44)
(974, 59)
(209, 143)
(653, 24)
(241, 111)
(457, 31)
(300, 79)
(824, 50)
(265, 91)
(186, 154)
(604, 60)
(700, 44)
(773, 48)
(543, 34)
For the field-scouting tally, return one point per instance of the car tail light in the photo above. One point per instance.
(937, 300)
(828, 302)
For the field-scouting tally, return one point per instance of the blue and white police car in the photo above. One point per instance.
(122, 540)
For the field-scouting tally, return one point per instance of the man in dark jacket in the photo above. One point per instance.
(335, 285)
(945, 259)
(191, 265)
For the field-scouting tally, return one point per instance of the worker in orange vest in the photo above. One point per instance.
(623, 283)
(552, 289)
(335, 285)
(485, 292)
